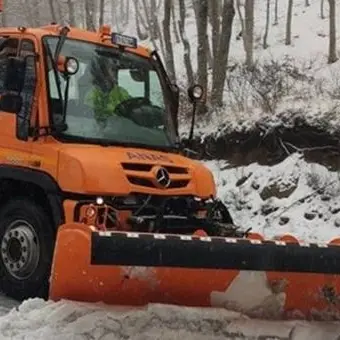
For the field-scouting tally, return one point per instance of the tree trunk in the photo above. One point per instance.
(186, 43)
(289, 23)
(169, 56)
(154, 19)
(215, 16)
(52, 10)
(101, 12)
(202, 41)
(72, 18)
(174, 21)
(276, 13)
(249, 31)
(322, 15)
(140, 23)
(35, 12)
(265, 37)
(4, 13)
(89, 15)
(220, 69)
(332, 56)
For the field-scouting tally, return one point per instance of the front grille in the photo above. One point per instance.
(147, 183)
(148, 167)
(141, 175)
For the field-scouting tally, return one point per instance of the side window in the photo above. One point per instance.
(8, 48)
(27, 50)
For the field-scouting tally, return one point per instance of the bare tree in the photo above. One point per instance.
(265, 37)
(247, 29)
(153, 27)
(332, 56)
(276, 13)
(288, 40)
(186, 43)
(141, 26)
(71, 13)
(202, 41)
(322, 15)
(4, 13)
(52, 10)
(169, 56)
(101, 12)
(222, 53)
(89, 15)
(215, 21)
(174, 22)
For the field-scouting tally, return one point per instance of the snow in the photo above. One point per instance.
(311, 212)
(37, 319)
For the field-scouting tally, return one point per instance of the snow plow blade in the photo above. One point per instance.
(270, 279)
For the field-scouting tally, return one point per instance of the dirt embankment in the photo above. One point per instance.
(269, 146)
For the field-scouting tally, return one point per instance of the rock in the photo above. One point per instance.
(337, 222)
(278, 189)
(267, 209)
(283, 220)
(255, 185)
(325, 198)
(243, 179)
(334, 210)
(310, 216)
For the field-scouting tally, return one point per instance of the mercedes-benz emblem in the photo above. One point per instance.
(163, 177)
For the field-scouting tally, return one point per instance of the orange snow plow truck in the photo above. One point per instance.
(101, 202)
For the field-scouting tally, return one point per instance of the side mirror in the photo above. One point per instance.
(138, 75)
(196, 93)
(15, 74)
(22, 127)
(68, 66)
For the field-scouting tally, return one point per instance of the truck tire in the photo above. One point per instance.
(26, 250)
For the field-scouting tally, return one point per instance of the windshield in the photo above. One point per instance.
(115, 97)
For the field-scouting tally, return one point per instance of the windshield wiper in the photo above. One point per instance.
(112, 142)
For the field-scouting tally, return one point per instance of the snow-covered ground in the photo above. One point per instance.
(38, 320)
(314, 219)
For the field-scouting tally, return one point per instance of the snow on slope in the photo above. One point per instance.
(291, 197)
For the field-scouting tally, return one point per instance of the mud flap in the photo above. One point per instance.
(266, 279)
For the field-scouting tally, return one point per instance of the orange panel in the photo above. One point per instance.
(262, 294)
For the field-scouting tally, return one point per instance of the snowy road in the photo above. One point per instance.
(36, 319)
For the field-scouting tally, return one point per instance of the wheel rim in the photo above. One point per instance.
(20, 249)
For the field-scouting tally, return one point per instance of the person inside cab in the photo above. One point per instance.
(105, 93)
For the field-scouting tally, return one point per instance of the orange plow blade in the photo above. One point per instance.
(261, 278)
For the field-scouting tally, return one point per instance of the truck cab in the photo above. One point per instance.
(87, 120)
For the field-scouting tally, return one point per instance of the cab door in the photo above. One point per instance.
(12, 150)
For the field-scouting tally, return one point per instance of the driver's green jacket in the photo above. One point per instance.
(104, 104)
